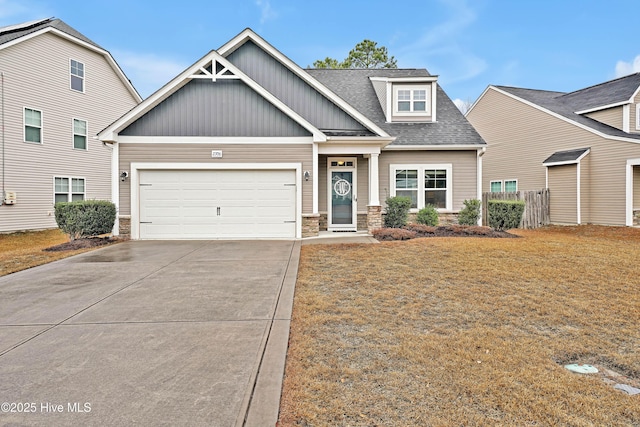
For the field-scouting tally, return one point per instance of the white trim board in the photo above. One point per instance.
(217, 140)
(629, 190)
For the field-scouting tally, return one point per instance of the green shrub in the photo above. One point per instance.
(85, 218)
(428, 216)
(397, 212)
(505, 214)
(470, 214)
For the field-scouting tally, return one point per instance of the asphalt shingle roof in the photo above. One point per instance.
(603, 94)
(14, 32)
(566, 156)
(566, 106)
(354, 87)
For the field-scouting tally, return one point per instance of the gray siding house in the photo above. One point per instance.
(584, 146)
(247, 144)
(58, 90)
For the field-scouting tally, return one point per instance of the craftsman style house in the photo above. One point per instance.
(58, 90)
(247, 144)
(583, 146)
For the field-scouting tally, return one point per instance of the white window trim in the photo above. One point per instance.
(70, 192)
(501, 186)
(412, 88)
(73, 134)
(505, 184)
(638, 116)
(421, 168)
(84, 73)
(24, 126)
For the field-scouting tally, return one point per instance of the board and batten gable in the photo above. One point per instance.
(221, 108)
(291, 89)
(36, 73)
(520, 137)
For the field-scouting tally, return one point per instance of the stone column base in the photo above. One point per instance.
(374, 218)
(310, 225)
(124, 227)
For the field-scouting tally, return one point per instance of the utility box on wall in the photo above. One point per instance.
(10, 197)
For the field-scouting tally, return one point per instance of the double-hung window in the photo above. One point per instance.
(496, 186)
(32, 125)
(424, 184)
(79, 134)
(411, 100)
(77, 75)
(68, 189)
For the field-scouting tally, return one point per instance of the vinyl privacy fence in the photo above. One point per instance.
(536, 209)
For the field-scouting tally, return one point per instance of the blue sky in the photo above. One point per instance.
(560, 45)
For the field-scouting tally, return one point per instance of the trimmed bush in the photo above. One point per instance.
(428, 216)
(85, 218)
(505, 214)
(397, 212)
(470, 214)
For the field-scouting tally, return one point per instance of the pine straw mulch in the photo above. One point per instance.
(19, 251)
(414, 231)
(474, 332)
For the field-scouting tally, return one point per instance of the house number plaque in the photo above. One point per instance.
(216, 154)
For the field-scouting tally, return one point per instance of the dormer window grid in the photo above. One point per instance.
(411, 101)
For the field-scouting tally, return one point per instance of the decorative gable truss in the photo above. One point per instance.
(212, 67)
(407, 99)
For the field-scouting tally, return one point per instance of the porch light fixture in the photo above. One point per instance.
(123, 176)
(307, 175)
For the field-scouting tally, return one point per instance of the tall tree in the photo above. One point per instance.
(366, 54)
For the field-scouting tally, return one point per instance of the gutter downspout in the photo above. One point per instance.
(479, 155)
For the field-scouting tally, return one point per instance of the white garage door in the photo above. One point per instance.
(206, 204)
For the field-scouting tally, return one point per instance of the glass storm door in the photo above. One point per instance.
(342, 199)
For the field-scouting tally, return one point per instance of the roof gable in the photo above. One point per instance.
(14, 34)
(604, 95)
(211, 67)
(566, 157)
(249, 35)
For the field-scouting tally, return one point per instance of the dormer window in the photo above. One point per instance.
(412, 101)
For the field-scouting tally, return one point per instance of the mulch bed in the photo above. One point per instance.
(76, 244)
(413, 231)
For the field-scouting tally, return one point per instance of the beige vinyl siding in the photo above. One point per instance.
(362, 172)
(611, 116)
(201, 153)
(520, 137)
(36, 75)
(636, 187)
(634, 125)
(563, 190)
(464, 169)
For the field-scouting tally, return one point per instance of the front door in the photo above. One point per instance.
(343, 207)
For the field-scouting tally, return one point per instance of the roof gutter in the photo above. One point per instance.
(443, 147)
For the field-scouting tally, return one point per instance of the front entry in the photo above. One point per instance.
(342, 199)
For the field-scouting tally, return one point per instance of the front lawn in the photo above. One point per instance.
(467, 331)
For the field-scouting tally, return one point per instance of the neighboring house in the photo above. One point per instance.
(246, 144)
(584, 146)
(58, 89)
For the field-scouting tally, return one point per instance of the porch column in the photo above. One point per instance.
(374, 185)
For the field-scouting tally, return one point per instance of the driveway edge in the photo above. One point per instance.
(264, 406)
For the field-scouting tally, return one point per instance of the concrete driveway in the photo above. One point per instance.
(149, 333)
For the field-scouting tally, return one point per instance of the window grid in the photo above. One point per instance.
(67, 189)
(432, 181)
(496, 186)
(79, 134)
(32, 125)
(77, 75)
(510, 186)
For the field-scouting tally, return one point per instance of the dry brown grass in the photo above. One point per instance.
(466, 331)
(19, 251)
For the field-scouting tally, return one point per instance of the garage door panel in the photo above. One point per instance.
(217, 204)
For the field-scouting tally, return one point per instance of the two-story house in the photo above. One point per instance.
(58, 89)
(584, 146)
(245, 143)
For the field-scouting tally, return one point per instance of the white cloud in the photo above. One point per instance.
(625, 68)
(148, 72)
(463, 106)
(266, 11)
